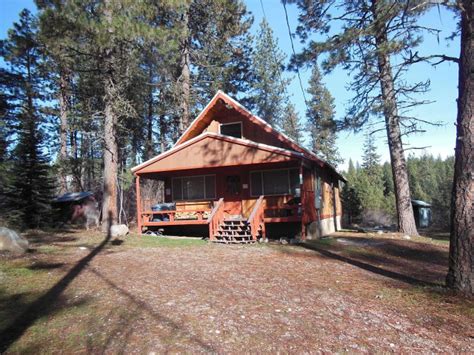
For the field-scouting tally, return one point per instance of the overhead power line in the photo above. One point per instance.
(263, 10)
(294, 52)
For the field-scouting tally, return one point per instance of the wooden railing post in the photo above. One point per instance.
(215, 218)
(257, 218)
(139, 202)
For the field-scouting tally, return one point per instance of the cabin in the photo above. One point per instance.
(235, 177)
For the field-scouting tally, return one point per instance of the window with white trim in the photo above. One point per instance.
(233, 129)
(189, 188)
(274, 182)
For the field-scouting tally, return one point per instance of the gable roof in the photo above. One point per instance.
(247, 153)
(220, 95)
(245, 113)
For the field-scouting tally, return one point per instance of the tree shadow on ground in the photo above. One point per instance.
(436, 234)
(12, 305)
(45, 266)
(397, 268)
(47, 303)
(137, 309)
(39, 238)
(407, 250)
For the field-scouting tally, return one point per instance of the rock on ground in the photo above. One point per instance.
(11, 241)
(118, 230)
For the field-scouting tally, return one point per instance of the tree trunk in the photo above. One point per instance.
(149, 151)
(109, 199)
(162, 133)
(406, 219)
(76, 163)
(461, 249)
(109, 204)
(185, 77)
(63, 129)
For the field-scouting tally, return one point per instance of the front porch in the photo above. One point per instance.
(223, 226)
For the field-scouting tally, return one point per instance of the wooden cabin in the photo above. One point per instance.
(239, 179)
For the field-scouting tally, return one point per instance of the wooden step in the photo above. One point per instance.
(234, 242)
(233, 235)
(233, 228)
(235, 222)
(233, 231)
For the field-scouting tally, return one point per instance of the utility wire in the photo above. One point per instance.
(263, 10)
(274, 52)
(294, 52)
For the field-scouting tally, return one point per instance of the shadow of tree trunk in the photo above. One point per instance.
(44, 305)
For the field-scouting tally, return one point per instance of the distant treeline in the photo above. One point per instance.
(369, 194)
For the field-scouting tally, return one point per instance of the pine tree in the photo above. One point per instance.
(320, 118)
(56, 33)
(112, 50)
(6, 131)
(221, 50)
(370, 159)
(461, 249)
(291, 124)
(269, 93)
(31, 188)
(387, 179)
(369, 35)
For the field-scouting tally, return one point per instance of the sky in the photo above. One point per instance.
(443, 91)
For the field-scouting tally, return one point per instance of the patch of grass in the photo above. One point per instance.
(322, 242)
(148, 241)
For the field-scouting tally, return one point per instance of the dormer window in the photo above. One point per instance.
(233, 129)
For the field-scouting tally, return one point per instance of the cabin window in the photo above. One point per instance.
(318, 196)
(231, 129)
(274, 182)
(189, 188)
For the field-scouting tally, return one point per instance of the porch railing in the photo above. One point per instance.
(283, 211)
(175, 216)
(256, 219)
(216, 218)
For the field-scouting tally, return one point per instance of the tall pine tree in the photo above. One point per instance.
(369, 35)
(269, 95)
(291, 124)
(30, 192)
(320, 120)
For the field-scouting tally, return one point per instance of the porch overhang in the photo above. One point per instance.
(211, 150)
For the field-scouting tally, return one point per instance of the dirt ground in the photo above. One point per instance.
(354, 292)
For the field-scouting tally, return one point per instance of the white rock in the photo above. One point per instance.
(118, 230)
(407, 237)
(11, 241)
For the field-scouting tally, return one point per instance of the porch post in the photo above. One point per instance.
(302, 201)
(139, 204)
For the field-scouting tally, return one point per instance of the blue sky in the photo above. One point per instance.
(440, 140)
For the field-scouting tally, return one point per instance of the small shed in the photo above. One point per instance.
(73, 206)
(72, 197)
(422, 212)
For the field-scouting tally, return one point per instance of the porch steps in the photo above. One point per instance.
(234, 230)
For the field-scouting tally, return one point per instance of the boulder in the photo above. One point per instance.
(11, 241)
(118, 230)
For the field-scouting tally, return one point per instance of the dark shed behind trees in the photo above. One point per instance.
(422, 212)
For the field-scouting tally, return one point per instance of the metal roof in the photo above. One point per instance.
(420, 203)
(73, 196)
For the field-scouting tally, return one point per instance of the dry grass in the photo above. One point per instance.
(353, 292)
